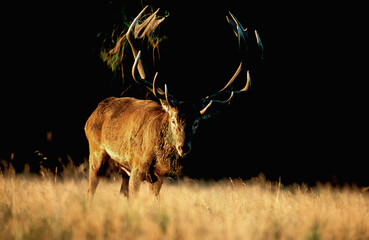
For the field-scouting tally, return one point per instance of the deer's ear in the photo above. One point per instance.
(166, 106)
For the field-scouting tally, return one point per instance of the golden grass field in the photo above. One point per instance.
(46, 208)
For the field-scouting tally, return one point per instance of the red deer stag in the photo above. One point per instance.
(144, 137)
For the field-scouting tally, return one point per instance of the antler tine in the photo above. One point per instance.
(130, 33)
(132, 40)
(242, 37)
(248, 84)
(136, 34)
(155, 90)
(135, 73)
(138, 31)
(260, 44)
(241, 33)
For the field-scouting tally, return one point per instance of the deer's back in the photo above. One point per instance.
(124, 126)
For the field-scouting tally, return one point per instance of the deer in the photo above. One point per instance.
(147, 138)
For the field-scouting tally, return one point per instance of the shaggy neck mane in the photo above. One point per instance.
(166, 153)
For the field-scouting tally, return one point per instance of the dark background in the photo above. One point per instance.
(304, 118)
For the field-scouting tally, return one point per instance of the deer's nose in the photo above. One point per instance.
(184, 150)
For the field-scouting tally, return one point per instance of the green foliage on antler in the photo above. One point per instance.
(114, 57)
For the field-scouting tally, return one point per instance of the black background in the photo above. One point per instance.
(304, 118)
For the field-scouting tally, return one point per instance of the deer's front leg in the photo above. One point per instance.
(135, 182)
(156, 186)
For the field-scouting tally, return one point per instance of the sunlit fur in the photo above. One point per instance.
(144, 137)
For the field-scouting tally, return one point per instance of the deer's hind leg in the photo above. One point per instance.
(97, 160)
(124, 187)
(125, 179)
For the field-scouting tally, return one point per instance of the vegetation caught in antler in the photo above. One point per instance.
(145, 31)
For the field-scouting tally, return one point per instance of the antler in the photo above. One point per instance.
(243, 39)
(158, 92)
(135, 36)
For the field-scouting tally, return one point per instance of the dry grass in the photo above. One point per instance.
(36, 208)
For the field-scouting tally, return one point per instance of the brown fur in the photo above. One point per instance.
(136, 134)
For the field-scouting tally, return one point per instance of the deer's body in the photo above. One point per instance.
(135, 134)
